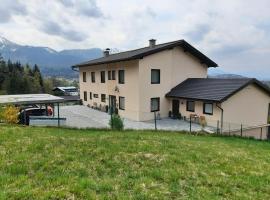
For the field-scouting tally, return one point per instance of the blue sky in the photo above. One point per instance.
(234, 33)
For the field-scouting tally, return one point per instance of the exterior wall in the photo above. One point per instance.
(129, 89)
(248, 107)
(175, 66)
(211, 120)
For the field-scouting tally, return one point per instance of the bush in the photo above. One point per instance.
(9, 114)
(116, 122)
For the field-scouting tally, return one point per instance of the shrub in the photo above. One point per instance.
(10, 114)
(116, 122)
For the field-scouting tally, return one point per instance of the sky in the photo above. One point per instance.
(233, 33)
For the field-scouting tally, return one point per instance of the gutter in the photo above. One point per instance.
(221, 120)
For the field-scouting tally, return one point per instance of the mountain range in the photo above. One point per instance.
(50, 61)
(58, 63)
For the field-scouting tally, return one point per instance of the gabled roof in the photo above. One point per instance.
(211, 89)
(142, 52)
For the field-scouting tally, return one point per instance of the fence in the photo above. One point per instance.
(258, 132)
(192, 124)
(83, 117)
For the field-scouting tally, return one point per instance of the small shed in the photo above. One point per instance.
(68, 91)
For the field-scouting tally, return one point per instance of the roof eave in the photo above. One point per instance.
(195, 99)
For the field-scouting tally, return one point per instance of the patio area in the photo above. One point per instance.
(84, 117)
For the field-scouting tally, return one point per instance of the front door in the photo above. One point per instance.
(112, 103)
(175, 108)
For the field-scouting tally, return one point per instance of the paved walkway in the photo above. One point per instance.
(84, 117)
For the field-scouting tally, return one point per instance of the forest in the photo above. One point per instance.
(16, 78)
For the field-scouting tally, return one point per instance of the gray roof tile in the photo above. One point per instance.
(211, 89)
(139, 53)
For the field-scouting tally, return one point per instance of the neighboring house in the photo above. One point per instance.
(170, 77)
(66, 91)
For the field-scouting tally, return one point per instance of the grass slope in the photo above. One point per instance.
(50, 163)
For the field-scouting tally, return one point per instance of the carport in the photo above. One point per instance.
(35, 99)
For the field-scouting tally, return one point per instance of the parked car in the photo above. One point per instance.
(26, 113)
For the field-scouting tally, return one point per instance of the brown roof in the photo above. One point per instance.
(142, 52)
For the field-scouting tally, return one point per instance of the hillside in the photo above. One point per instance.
(51, 163)
(51, 62)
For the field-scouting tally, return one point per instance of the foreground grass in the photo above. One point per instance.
(48, 163)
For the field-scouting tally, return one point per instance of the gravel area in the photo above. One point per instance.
(84, 117)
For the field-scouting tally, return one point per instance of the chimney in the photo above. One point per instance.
(152, 43)
(106, 52)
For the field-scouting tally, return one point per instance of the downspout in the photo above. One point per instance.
(221, 120)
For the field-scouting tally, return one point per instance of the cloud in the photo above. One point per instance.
(199, 32)
(10, 8)
(53, 28)
(84, 7)
(234, 33)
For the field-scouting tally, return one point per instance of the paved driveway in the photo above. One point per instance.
(84, 117)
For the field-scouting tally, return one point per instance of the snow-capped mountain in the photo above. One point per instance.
(51, 62)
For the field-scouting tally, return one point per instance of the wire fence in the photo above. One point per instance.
(83, 117)
(200, 124)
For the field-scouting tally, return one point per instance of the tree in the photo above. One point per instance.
(38, 76)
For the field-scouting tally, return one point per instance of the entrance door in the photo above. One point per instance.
(175, 108)
(112, 103)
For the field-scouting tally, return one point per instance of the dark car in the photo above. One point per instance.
(24, 114)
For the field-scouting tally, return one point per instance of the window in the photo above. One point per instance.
(109, 75)
(102, 76)
(103, 97)
(155, 76)
(113, 74)
(122, 103)
(93, 77)
(95, 95)
(155, 104)
(121, 76)
(85, 96)
(191, 106)
(90, 95)
(208, 108)
(84, 76)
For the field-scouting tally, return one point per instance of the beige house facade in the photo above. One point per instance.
(170, 79)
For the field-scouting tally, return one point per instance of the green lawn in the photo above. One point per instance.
(51, 163)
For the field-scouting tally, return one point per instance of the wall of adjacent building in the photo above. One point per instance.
(175, 66)
(249, 107)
